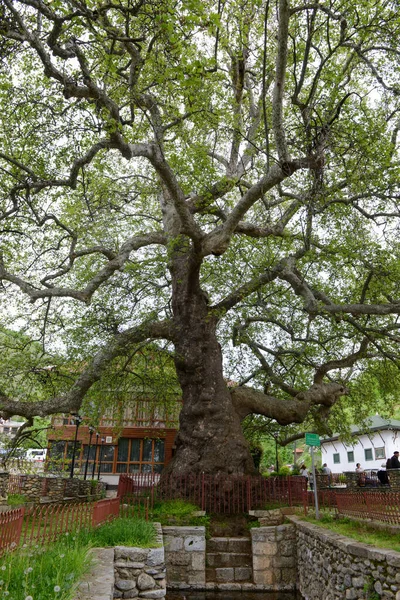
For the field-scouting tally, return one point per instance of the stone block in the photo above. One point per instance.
(284, 562)
(173, 544)
(198, 561)
(198, 577)
(155, 557)
(194, 543)
(179, 558)
(243, 573)
(124, 585)
(145, 582)
(288, 576)
(131, 554)
(153, 594)
(263, 577)
(261, 563)
(262, 548)
(224, 574)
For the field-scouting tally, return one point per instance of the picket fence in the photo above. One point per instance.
(40, 525)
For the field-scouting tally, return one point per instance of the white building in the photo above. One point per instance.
(9, 428)
(370, 449)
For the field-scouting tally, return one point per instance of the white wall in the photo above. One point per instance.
(389, 440)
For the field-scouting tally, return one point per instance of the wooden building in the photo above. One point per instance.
(141, 440)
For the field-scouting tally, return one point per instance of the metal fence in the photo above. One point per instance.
(10, 528)
(215, 494)
(376, 505)
(40, 525)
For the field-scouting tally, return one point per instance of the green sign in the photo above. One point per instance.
(312, 439)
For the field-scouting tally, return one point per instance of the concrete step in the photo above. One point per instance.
(229, 575)
(226, 544)
(228, 559)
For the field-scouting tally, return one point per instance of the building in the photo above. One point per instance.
(370, 449)
(9, 428)
(141, 441)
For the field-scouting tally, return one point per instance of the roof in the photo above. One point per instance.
(375, 423)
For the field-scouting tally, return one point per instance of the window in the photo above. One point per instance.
(380, 453)
(60, 455)
(368, 454)
(140, 455)
(350, 456)
(336, 458)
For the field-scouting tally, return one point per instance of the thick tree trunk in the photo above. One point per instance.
(210, 437)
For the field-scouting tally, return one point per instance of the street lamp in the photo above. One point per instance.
(78, 420)
(95, 454)
(101, 457)
(275, 436)
(91, 432)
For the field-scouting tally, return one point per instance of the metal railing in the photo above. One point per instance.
(41, 525)
(10, 529)
(213, 493)
(373, 504)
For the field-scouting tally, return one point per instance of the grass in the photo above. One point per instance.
(52, 573)
(15, 499)
(121, 532)
(177, 512)
(362, 532)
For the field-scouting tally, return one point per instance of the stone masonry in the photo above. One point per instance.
(185, 550)
(274, 556)
(140, 572)
(333, 567)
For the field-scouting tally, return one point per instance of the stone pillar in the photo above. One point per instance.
(185, 556)
(274, 555)
(140, 572)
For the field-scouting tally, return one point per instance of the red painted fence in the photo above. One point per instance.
(43, 524)
(215, 494)
(10, 529)
(376, 505)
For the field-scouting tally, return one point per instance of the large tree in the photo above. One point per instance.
(215, 178)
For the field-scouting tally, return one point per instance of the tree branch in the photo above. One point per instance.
(72, 400)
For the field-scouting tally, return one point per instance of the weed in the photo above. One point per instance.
(15, 499)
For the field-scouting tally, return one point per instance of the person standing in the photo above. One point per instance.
(359, 468)
(304, 471)
(394, 461)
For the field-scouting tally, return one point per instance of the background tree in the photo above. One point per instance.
(216, 178)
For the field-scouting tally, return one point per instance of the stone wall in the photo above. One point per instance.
(185, 556)
(37, 488)
(140, 572)
(274, 556)
(3, 485)
(333, 567)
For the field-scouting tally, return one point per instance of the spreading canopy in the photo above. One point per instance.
(175, 171)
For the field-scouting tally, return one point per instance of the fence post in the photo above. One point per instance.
(248, 486)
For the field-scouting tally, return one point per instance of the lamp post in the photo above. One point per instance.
(95, 454)
(91, 432)
(275, 436)
(78, 420)
(101, 457)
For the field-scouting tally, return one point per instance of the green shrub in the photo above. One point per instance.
(15, 499)
(284, 471)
